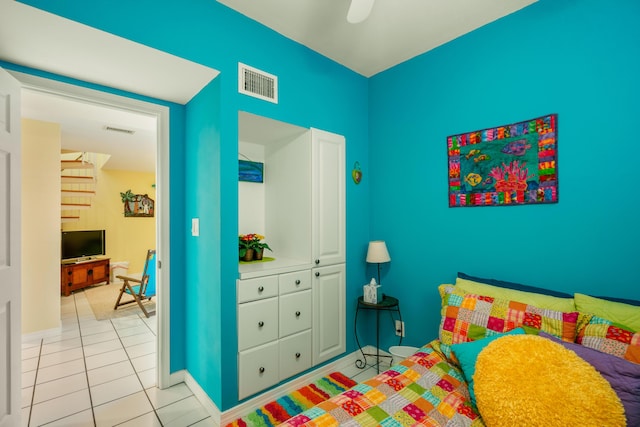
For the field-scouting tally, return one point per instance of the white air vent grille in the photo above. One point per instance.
(121, 130)
(257, 83)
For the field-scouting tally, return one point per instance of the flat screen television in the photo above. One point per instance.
(82, 244)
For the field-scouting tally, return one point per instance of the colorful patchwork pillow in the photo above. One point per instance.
(469, 317)
(532, 298)
(608, 337)
(617, 312)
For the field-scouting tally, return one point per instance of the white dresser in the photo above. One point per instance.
(274, 329)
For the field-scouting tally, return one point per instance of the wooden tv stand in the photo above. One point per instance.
(79, 275)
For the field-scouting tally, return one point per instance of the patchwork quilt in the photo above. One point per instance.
(424, 389)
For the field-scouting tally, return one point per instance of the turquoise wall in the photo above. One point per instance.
(313, 92)
(579, 59)
(202, 285)
(574, 58)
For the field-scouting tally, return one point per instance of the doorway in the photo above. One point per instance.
(161, 115)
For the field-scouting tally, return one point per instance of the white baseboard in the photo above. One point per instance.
(202, 397)
(41, 334)
(177, 377)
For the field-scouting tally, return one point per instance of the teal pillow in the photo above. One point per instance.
(468, 352)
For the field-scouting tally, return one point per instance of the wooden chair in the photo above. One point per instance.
(145, 288)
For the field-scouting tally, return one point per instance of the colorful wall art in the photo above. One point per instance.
(506, 165)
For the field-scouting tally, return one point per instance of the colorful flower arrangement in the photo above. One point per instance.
(251, 241)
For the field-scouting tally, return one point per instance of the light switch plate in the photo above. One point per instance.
(195, 227)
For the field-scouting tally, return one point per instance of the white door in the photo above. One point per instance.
(10, 331)
(329, 321)
(328, 198)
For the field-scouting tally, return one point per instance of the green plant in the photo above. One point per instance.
(127, 197)
(251, 241)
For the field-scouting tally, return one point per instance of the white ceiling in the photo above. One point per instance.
(83, 126)
(396, 30)
(37, 39)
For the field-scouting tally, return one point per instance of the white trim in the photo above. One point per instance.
(33, 336)
(177, 377)
(202, 397)
(161, 112)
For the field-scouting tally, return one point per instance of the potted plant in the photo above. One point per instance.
(250, 246)
(259, 247)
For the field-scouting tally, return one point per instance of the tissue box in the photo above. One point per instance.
(372, 294)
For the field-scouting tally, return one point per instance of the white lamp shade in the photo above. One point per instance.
(378, 252)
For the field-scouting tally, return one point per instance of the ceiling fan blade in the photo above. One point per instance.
(359, 10)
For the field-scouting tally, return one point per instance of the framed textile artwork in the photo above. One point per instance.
(515, 164)
(250, 171)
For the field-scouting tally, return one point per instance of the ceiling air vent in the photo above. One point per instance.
(257, 83)
(121, 130)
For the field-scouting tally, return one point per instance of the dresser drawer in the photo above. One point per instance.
(258, 288)
(257, 369)
(296, 281)
(257, 323)
(295, 354)
(295, 313)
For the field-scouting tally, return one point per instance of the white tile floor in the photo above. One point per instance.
(102, 373)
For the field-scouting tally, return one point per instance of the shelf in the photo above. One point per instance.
(277, 266)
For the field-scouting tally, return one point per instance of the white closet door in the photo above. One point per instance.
(328, 198)
(10, 329)
(329, 322)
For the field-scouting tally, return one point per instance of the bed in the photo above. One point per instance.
(506, 355)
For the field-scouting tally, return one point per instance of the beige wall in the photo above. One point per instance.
(128, 239)
(40, 233)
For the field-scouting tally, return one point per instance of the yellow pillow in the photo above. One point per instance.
(531, 298)
(527, 380)
(617, 312)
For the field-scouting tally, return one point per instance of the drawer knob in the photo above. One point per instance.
(297, 314)
(261, 289)
(317, 274)
(261, 324)
(297, 355)
(261, 370)
(298, 282)
(317, 261)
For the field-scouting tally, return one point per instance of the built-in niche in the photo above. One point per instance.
(279, 207)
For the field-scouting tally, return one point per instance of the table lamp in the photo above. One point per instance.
(378, 253)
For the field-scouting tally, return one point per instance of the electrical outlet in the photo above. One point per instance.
(399, 328)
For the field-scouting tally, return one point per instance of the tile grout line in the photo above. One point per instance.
(155, 412)
(69, 415)
(35, 380)
(84, 360)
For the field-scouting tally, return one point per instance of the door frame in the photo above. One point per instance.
(93, 96)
